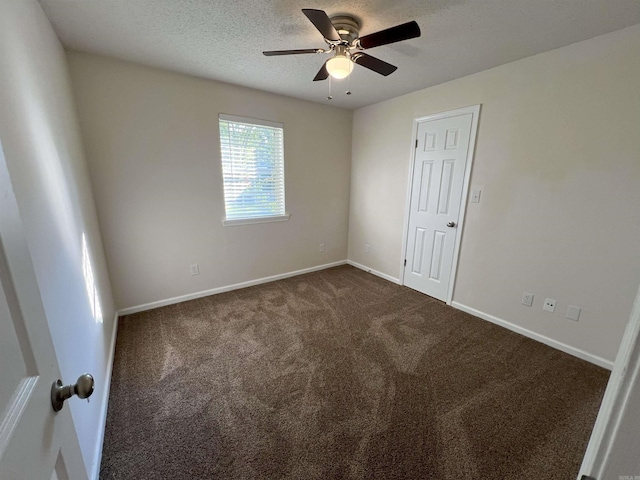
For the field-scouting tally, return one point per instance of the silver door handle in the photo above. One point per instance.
(59, 393)
(451, 224)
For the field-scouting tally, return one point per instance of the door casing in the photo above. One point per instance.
(475, 111)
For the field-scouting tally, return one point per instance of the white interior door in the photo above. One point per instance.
(35, 442)
(438, 178)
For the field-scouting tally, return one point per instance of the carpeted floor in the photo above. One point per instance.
(340, 374)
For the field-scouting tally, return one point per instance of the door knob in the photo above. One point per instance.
(451, 224)
(59, 393)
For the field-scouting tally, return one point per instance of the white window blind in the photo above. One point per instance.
(252, 167)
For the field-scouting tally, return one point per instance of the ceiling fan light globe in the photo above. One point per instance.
(339, 66)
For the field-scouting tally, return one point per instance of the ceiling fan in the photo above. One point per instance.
(341, 33)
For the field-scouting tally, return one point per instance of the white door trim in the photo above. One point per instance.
(620, 400)
(475, 111)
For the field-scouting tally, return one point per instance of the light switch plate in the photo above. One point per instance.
(475, 196)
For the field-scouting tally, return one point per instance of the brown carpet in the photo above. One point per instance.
(340, 374)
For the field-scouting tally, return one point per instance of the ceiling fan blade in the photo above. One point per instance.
(273, 53)
(322, 22)
(373, 63)
(322, 74)
(391, 35)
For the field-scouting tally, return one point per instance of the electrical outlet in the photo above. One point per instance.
(322, 248)
(527, 299)
(195, 269)
(366, 248)
(549, 304)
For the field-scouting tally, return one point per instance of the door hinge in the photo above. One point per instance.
(405, 262)
(416, 143)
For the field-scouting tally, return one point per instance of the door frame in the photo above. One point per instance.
(619, 400)
(474, 110)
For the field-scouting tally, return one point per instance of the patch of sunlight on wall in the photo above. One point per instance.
(89, 281)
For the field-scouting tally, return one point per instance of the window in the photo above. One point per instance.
(252, 154)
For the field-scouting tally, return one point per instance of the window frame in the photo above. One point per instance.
(265, 218)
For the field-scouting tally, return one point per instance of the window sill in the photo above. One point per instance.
(249, 221)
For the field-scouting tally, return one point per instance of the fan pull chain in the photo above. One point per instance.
(329, 97)
(349, 85)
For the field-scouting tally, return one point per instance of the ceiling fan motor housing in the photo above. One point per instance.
(347, 27)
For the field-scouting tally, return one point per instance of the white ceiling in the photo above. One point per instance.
(224, 39)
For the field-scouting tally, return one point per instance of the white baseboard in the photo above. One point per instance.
(227, 288)
(576, 352)
(374, 272)
(485, 316)
(95, 474)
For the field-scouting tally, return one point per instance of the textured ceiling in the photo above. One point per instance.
(224, 40)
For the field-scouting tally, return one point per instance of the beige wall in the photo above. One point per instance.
(558, 161)
(44, 153)
(154, 157)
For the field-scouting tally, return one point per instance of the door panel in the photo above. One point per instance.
(419, 250)
(436, 255)
(446, 185)
(33, 439)
(436, 195)
(10, 354)
(425, 184)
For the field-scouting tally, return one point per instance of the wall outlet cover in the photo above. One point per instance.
(549, 304)
(195, 269)
(573, 313)
(527, 299)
